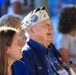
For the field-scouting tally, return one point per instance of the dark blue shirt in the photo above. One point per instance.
(19, 68)
(34, 56)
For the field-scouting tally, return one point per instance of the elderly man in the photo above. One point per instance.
(40, 56)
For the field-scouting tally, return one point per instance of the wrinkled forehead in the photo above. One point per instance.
(43, 23)
(47, 21)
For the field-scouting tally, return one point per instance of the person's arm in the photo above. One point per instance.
(65, 54)
(18, 8)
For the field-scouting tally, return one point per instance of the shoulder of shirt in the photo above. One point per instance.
(19, 63)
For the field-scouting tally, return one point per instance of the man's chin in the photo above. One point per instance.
(50, 40)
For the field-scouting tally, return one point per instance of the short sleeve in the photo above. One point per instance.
(62, 42)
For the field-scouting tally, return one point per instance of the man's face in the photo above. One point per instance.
(43, 31)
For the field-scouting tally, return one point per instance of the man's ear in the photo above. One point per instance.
(32, 29)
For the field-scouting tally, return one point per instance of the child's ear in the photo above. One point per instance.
(7, 51)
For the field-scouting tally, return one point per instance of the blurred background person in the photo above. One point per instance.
(20, 7)
(55, 7)
(66, 41)
(2, 7)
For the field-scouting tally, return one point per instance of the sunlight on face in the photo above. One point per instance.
(43, 31)
(14, 51)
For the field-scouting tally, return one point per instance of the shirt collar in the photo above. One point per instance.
(37, 47)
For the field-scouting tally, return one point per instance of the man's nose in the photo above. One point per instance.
(51, 27)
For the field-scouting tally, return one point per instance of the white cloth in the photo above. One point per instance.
(69, 42)
(72, 72)
(10, 9)
(62, 72)
(12, 1)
